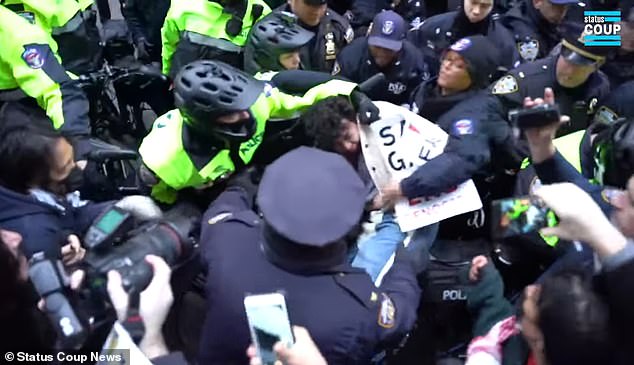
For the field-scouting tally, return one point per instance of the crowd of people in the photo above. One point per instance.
(252, 178)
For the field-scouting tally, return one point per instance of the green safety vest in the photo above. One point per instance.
(163, 152)
(569, 146)
(203, 22)
(15, 73)
(54, 16)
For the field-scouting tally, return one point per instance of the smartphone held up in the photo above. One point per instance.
(520, 215)
(268, 323)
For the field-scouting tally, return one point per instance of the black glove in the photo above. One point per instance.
(143, 47)
(368, 112)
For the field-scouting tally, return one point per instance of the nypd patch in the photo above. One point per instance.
(387, 313)
(463, 127)
(461, 45)
(528, 50)
(505, 85)
(33, 57)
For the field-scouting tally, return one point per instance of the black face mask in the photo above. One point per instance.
(74, 181)
(236, 132)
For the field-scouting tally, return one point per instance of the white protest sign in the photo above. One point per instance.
(398, 144)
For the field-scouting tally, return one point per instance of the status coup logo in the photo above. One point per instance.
(602, 28)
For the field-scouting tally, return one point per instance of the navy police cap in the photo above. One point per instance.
(311, 197)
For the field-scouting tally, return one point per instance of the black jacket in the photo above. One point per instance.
(439, 32)
(410, 69)
(530, 80)
(145, 19)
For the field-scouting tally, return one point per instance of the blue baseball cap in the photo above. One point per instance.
(564, 2)
(388, 31)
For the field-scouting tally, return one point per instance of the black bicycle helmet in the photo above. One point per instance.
(613, 150)
(276, 34)
(205, 90)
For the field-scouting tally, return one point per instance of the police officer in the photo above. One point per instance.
(385, 50)
(467, 67)
(439, 32)
(32, 79)
(205, 29)
(573, 74)
(586, 150)
(274, 43)
(145, 19)
(332, 33)
(73, 25)
(534, 25)
(311, 202)
(413, 11)
(219, 124)
(620, 65)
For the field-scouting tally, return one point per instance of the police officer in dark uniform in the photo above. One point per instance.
(467, 67)
(439, 32)
(312, 202)
(145, 19)
(573, 75)
(332, 33)
(385, 50)
(534, 25)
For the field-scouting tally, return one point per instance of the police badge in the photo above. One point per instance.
(529, 49)
(388, 27)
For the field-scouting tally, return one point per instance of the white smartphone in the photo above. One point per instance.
(268, 323)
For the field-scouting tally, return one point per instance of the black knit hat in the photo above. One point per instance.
(481, 56)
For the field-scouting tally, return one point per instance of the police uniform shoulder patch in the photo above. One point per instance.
(461, 44)
(219, 218)
(528, 49)
(505, 85)
(33, 57)
(387, 312)
(463, 127)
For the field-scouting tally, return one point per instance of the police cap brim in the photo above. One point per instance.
(311, 197)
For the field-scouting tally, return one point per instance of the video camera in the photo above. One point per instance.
(113, 244)
(538, 116)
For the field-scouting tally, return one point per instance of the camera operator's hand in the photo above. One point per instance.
(580, 219)
(72, 253)
(303, 352)
(540, 140)
(154, 304)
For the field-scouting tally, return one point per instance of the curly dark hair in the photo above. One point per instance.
(322, 122)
